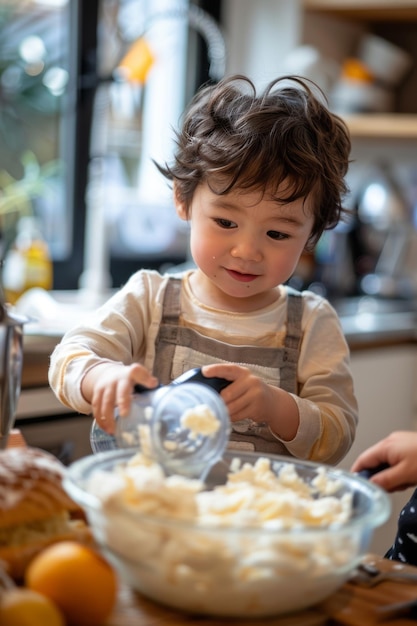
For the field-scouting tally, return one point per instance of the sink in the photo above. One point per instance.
(359, 305)
(366, 318)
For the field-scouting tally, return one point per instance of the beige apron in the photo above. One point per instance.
(178, 349)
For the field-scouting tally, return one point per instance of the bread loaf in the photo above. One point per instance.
(35, 510)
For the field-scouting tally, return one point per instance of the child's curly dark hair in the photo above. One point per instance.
(284, 142)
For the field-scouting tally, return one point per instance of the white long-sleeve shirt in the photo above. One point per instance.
(125, 327)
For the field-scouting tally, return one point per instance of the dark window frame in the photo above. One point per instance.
(84, 81)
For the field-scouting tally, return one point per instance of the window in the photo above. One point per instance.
(80, 141)
(35, 120)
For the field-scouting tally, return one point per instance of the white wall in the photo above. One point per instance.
(384, 380)
(259, 35)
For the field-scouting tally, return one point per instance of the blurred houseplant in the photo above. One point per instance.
(31, 83)
(17, 197)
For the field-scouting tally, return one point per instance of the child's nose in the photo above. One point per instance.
(247, 248)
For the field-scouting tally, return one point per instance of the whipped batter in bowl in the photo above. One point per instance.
(264, 535)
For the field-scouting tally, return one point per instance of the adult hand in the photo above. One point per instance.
(399, 451)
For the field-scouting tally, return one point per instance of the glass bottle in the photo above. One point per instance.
(28, 263)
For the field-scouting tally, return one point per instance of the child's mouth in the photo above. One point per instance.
(244, 278)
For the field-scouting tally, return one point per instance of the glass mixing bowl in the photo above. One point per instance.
(218, 569)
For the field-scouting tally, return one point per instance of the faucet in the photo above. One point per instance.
(207, 26)
(163, 104)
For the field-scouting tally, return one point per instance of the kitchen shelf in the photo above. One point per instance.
(375, 10)
(375, 14)
(382, 125)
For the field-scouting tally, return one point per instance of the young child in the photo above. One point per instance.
(397, 454)
(258, 178)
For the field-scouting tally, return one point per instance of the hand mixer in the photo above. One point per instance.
(184, 426)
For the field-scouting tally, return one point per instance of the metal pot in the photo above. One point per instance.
(11, 362)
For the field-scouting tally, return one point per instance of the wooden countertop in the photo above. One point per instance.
(352, 605)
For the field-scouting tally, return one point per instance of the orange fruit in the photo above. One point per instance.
(25, 607)
(78, 579)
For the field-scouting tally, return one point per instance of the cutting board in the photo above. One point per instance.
(352, 605)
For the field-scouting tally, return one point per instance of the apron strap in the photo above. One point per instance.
(292, 341)
(171, 335)
(165, 349)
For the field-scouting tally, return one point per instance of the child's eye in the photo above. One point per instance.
(223, 223)
(277, 235)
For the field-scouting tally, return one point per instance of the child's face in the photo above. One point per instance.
(245, 244)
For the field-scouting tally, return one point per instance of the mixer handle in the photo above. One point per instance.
(194, 375)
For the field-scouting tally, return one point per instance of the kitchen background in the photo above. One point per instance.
(90, 92)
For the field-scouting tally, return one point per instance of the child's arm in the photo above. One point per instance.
(399, 451)
(96, 355)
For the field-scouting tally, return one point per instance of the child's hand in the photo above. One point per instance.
(399, 451)
(110, 385)
(248, 397)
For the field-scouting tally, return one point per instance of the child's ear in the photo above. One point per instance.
(180, 205)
